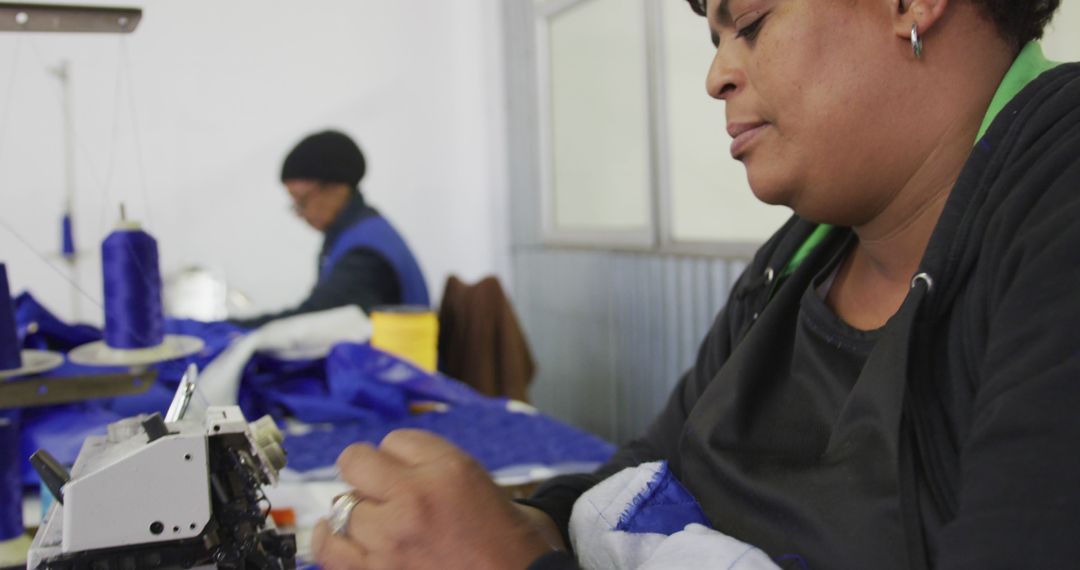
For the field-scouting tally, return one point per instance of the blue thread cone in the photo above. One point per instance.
(10, 349)
(11, 521)
(134, 317)
(67, 237)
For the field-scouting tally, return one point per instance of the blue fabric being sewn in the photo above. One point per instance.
(663, 507)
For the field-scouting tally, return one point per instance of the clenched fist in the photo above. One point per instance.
(424, 504)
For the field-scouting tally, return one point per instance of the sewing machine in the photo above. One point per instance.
(183, 491)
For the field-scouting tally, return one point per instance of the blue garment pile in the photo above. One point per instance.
(356, 393)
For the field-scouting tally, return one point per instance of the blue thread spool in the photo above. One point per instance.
(134, 317)
(11, 524)
(11, 521)
(10, 354)
(133, 310)
(67, 237)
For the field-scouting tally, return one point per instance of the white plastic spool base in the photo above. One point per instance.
(101, 354)
(34, 362)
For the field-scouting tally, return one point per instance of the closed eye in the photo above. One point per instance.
(750, 31)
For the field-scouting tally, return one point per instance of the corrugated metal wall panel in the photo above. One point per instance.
(612, 332)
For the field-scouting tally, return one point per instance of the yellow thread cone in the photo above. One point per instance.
(410, 332)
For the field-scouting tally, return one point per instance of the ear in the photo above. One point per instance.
(922, 13)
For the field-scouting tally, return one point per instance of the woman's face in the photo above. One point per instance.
(814, 103)
(316, 202)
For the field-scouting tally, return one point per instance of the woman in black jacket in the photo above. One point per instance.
(894, 382)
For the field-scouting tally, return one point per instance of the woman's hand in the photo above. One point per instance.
(425, 504)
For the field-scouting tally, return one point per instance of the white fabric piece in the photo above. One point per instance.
(698, 546)
(310, 335)
(597, 512)
(599, 546)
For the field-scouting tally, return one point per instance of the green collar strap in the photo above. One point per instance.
(804, 250)
(1030, 64)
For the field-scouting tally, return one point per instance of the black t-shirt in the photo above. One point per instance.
(792, 447)
(789, 448)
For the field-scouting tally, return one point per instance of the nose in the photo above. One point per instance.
(725, 77)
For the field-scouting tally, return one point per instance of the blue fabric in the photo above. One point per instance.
(50, 332)
(376, 233)
(663, 507)
(369, 379)
(373, 379)
(495, 437)
(355, 382)
(385, 386)
(356, 393)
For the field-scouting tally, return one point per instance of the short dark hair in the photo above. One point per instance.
(1019, 21)
(326, 156)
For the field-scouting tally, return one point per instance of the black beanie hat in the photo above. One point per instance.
(329, 156)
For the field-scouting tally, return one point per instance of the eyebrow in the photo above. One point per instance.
(723, 14)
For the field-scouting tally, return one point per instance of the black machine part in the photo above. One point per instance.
(52, 473)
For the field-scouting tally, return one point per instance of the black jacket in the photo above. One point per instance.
(362, 277)
(978, 373)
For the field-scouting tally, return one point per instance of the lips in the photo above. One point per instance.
(743, 134)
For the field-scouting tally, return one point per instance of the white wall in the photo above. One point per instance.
(1062, 41)
(221, 91)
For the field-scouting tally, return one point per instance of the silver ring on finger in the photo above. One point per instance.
(340, 513)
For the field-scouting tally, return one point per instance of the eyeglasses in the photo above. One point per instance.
(300, 204)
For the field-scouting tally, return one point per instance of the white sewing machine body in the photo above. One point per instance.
(168, 494)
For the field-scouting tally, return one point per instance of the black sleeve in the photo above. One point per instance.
(361, 277)
(554, 560)
(557, 496)
(1019, 498)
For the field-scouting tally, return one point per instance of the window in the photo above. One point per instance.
(633, 151)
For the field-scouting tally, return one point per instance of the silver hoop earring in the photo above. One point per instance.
(916, 43)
